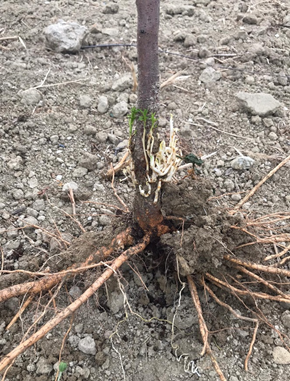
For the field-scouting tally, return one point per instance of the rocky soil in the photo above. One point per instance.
(63, 121)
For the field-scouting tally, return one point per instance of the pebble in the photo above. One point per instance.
(65, 37)
(104, 220)
(30, 220)
(273, 136)
(286, 319)
(236, 197)
(218, 172)
(103, 104)
(38, 205)
(71, 185)
(120, 109)
(12, 232)
(111, 8)
(123, 83)
(281, 356)
(209, 75)
(250, 19)
(15, 164)
(85, 101)
(90, 130)
(89, 161)
(190, 40)
(74, 340)
(268, 122)
(133, 98)
(43, 366)
(101, 137)
(112, 32)
(17, 194)
(116, 302)
(33, 182)
(30, 97)
(79, 172)
(87, 345)
(250, 80)
(75, 292)
(261, 104)
(229, 185)
(54, 139)
(242, 162)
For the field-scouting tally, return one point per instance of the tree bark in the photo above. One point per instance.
(147, 214)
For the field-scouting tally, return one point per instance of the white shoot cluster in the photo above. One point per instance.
(160, 167)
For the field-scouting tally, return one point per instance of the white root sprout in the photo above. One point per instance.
(161, 166)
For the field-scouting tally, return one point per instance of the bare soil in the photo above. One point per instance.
(64, 138)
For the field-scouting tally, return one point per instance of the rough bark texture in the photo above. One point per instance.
(147, 214)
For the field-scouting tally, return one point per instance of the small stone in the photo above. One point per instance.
(104, 220)
(236, 197)
(119, 110)
(18, 194)
(162, 122)
(172, 106)
(229, 185)
(261, 104)
(282, 79)
(218, 172)
(39, 205)
(80, 172)
(111, 8)
(250, 19)
(123, 83)
(273, 136)
(101, 137)
(209, 75)
(43, 366)
(286, 319)
(133, 98)
(203, 52)
(281, 356)
(122, 145)
(54, 139)
(87, 345)
(225, 40)
(242, 162)
(15, 164)
(256, 119)
(74, 340)
(75, 292)
(90, 130)
(33, 182)
(65, 37)
(112, 32)
(32, 212)
(268, 122)
(116, 301)
(85, 101)
(250, 80)
(12, 232)
(113, 139)
(89, 161)
(30, 220)
(79, 328)
(190, 40)
(12, 304)
(103, 104)
(30, 97)
(172, 9)
(71, 185)
(220, 163)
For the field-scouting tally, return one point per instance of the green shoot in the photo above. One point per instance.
(61, 368)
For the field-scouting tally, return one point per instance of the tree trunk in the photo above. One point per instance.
(147, 214)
